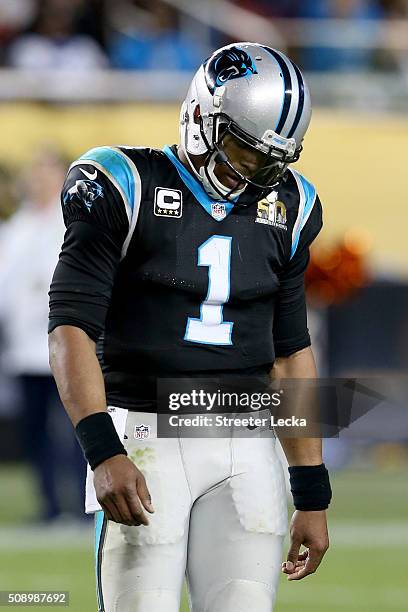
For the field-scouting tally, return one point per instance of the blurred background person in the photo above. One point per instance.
(54, 40)
(29, 245)
(8, 194)
(395, 59)
(361, 13)
(147, 35)
(14, 17)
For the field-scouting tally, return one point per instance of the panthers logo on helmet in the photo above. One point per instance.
(85, 192)
(231, 63)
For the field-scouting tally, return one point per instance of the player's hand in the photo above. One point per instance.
(309, 529)
(122, 491)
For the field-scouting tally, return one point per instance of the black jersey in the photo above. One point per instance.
(172, 282)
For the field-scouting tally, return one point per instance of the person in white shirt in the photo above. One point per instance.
(29, 244)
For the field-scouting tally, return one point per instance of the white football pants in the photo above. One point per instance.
(220, 519)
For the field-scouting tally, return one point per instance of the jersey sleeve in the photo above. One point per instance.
(290, 331)
(99, 204)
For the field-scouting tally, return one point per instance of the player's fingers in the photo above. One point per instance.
(120, 514)
(116, 510)
(144, 494)
(313, 561)
(299, 563)
(293, 553)
(303, 555)
(135, 507)
(125, 514)
(300, 573)
(107, 513)
(110, 510)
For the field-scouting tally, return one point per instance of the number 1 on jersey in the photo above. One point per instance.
(210, 327)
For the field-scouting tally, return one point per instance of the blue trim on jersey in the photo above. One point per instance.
(99, 515)
(99, 519)
(310, 195)
(117, 166)
(195, 186)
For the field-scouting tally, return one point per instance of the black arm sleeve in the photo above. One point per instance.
(97, 225)
(290, 330)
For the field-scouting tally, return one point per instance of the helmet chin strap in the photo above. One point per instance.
(212, 185)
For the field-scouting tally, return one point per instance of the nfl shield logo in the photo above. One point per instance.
(142, 432)
(218, 211)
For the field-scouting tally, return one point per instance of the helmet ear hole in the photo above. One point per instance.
(197, 114)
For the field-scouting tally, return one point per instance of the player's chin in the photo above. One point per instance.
(230, 181)
(233, 184)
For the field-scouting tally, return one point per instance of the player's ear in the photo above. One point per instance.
(197, 114)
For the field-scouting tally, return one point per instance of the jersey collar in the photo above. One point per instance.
(196, 188)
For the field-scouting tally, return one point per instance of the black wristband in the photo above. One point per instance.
(98, 438)
(310, 486)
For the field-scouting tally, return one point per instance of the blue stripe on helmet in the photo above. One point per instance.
(287, 88)
(301, 101)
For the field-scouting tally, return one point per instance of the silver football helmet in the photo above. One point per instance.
(257, 96)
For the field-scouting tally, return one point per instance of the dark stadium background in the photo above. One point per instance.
(76, 74)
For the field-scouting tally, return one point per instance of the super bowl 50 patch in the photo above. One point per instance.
(271, 213)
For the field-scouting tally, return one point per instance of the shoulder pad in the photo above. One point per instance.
(307, 199)
(121, 170)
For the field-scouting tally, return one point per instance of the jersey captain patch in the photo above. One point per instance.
(168, 202)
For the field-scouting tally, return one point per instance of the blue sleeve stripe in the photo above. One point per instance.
(307, 194)
(124, 175)
(117, 166)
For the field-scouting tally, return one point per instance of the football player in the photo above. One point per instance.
(184, 262)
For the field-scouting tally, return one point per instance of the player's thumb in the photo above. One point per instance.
(292, 556)
(144, 495)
